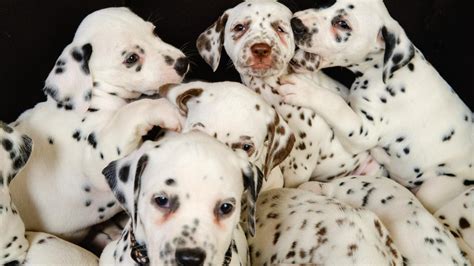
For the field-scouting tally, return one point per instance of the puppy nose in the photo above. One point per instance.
(261, 50)
(181, 65)
(190, 256)
(298, 27)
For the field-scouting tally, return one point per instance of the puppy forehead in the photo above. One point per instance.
(258, 9)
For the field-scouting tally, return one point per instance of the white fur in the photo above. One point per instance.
(400, 107)
(61, 189)
(16, 245)
(197, 174)
(317, 153)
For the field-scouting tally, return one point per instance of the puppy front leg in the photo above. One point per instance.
(356, 134)
(123, 133)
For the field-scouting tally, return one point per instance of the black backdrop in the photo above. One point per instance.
(34, 32)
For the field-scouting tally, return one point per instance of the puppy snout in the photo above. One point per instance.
(181, 66)
(261, 50)
(299, 29)
(190, 256)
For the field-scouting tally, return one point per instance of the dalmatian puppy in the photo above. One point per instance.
(16, 246)
(458, 217)
(419, 236)
(240, 118)
(183, 195)
(298, 226)
(257, 37)
(91, 118)
(399, 106)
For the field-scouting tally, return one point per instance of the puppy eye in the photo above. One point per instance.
(341, 24)
(280, 29)
(131, 59)
(239, 28)
(225, 209)
(162, 201)
(247, 147)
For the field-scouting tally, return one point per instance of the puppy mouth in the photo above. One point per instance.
(261, 66)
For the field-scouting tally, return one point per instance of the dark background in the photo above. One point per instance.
(34, 32)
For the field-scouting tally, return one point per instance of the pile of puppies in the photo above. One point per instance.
(288, 167)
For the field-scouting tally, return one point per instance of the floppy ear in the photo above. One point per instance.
(19, 148)
(70, 82)
(253, 178)
(124, 179)
(209, 43)
(399, 50)
(281, 141)
(180, 95)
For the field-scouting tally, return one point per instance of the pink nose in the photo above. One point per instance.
(261, 50)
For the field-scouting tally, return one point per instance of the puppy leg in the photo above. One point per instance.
(123, 133)
(458, 216)
(437, 191)
(355, 133)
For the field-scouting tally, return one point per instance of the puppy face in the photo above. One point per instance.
(183, 195)
(236, 116)
(339, 32)
(256, 35)
(114, 46)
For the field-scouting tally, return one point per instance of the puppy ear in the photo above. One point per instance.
(180, 95)
(399, 50)
(124, 179)
(19, 148)
(70, 82)
(209, 43)
(252, 178)
(281, 141)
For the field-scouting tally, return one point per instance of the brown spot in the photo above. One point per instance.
(351, 249)
(379, 227)
(184, 97)
(257, 107)
(165, 89)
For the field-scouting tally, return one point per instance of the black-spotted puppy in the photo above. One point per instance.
(91, 118)
(238, 117)
(420, 238)
(183, 195)
(16, 246)
(399, 106)
(257, 37)
(458, 217)
(295, 226)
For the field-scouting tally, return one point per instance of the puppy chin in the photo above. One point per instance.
(259, 71)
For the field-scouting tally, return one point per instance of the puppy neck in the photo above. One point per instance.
(255, 83)
(106, 96)
(372, 62)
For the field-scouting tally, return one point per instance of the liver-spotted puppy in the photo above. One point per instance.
(399, 106)
(183, 195)
(299, 227)
(257, 37)
(420, 238)
(91, 117)
(17, 246)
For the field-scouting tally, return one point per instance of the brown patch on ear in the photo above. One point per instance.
(184, 97)
(220, 23)
(165, 89)
(276, 155)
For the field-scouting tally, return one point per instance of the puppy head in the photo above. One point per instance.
(346, 33)
(256, 35)
(183, 195)
(236, 116)
(116, 47)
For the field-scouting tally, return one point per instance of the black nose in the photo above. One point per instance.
(181, 66)
(298, 27)
(190, 256)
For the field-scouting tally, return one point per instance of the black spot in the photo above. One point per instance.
(464, 223)
(7, 144)
(468, 182)
(411, 67)
(92, 140)
(124, 173)
(170, 182)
